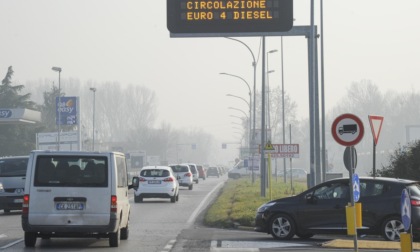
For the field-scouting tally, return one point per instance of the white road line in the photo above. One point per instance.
(169, 246)
(11, 244)
(204, 201)
(3, 236)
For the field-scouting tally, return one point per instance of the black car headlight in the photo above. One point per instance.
(265, 207)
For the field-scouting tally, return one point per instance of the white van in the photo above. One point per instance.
(76, 194)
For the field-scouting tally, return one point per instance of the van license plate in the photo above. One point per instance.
(154, 181)
(18, 201)
(69, 206)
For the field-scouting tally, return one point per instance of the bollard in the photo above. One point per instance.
(351, 230)
(405, 242)
(358, 206)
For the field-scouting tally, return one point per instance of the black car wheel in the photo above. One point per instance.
(138, 199)
(282, 227)
(391, 228)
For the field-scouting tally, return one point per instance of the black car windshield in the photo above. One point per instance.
(13, 167)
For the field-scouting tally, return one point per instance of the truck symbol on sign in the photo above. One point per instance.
(348, 128)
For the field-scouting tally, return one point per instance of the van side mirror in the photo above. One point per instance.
(135, 183)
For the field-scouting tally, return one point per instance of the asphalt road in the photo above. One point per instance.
(160, 226)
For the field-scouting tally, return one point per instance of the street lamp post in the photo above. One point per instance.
(249, 105)
(268, 93)
(93, 119)
(58, 69)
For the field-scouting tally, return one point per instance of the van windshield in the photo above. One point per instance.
(71, 171)
(13, 167)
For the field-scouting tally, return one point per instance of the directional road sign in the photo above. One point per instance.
(405, 210)
(347, 130)
(356, 187)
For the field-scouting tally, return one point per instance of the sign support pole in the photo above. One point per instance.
(374, 159)
(352, 166)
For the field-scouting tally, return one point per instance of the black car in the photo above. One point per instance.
(322, 209)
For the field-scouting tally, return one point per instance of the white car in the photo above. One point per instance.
(183, 174)
(156, 182)
(194, 171)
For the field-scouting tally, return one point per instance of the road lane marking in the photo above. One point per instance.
(3, 236)
(169, 246)
(204, 201)
(11, 244)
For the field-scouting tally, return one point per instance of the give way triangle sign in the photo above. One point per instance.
(376, 126)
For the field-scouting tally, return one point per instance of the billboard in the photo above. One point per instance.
(66, 110)
(227, 16)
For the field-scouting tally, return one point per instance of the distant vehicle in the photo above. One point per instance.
(12, 182)
(202, 172)
(194, 171)
(183, 174)
(156, 182)
(297, 173)
(213, 171)
(321, 209)
(348, 128)
(76, 194)
(242, 169)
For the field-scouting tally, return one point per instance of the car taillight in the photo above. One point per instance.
(25, 204)
(188, 174)
(141, 179)
(113, 204)
(170, 179)
(415, 202)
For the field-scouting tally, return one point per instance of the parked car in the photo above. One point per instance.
(183, 174)
(76, 194)
(156, 182)
(321, 209)
(12, 182)
(297, 173)
(202, 172)
(194, 171)
(213, 171)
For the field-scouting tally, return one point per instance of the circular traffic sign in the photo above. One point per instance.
(347, 129)
(350, 158)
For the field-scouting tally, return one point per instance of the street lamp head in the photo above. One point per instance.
(271, 71)
(272, 51)
(93, 89)
(57, 69)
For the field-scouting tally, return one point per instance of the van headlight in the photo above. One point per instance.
(1, 188)
(265, 207)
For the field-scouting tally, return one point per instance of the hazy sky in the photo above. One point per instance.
(127, 41)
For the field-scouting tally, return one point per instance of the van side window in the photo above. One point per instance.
(122, 172)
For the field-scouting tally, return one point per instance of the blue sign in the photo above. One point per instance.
(66, 110)
(356, 187)
(405, 210)
(5, 113)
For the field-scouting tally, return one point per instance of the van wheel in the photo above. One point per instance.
(177, 196)
(137, 199)
(30, 239)
(124, 233)
(196, 181)
(114, 239)
(6, 210)
(173, 199)
(190, 187)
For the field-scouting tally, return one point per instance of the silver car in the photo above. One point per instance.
(183, 174)
(12, 182)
